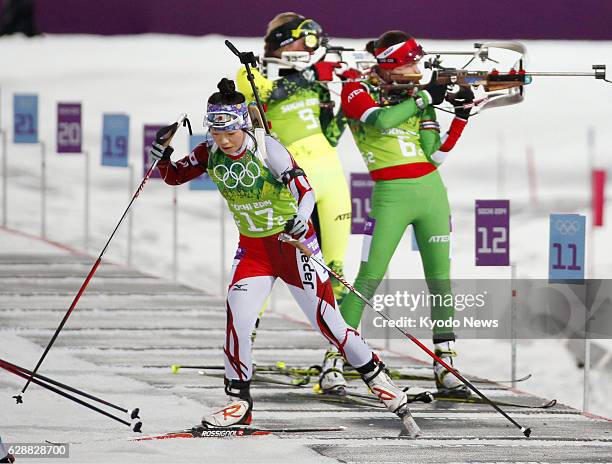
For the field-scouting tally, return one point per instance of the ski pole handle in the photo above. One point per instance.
(232, 48)
(248, 59)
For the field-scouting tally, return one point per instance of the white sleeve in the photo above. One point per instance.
(283, 167)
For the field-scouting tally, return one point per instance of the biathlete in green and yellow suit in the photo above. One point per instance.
(399, 139)
(300, 111)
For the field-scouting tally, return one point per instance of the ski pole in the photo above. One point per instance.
(136, 427)
(164, 137)
(304, 249)
(248, 60)
(10, 367)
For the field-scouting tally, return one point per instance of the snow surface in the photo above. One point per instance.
(153, 78)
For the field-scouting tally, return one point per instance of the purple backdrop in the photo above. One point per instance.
(476, 19)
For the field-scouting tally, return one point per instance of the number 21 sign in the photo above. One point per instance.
(566, 253)
(492, 232)
(25, 128)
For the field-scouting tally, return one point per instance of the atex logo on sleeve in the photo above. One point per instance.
(353, 94)
(439, 239)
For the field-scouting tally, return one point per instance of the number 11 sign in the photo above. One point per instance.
(566, 254)
(492, 232)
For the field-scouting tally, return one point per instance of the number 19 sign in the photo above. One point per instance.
(115, 139)
(566, 254)
(492, 232)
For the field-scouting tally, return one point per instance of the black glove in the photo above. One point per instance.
(160, 153)
(297, 226)
(437, 92)
(463, 97)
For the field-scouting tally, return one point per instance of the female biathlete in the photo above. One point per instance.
(301, 114)
(268, 194)
(398, 137)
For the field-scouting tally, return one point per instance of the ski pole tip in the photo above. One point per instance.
(18, 399)
(526, 431)
(137, 427)
(134, 413)
(175, 368)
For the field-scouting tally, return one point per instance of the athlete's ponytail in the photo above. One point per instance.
(227, 94)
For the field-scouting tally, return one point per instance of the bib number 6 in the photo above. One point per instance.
(407, 148)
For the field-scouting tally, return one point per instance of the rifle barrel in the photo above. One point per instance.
(562, 74)
(455, 52)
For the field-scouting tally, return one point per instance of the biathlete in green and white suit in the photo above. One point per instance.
(401, 146)
(268, 194)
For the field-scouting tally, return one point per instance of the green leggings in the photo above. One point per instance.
(396, 204)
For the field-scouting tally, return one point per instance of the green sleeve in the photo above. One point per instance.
(392, 116)
(430, 139)
(332, 125)
(262, 83)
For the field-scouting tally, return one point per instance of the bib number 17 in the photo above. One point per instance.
(268, 212)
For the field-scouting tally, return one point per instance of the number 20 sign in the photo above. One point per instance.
(566, 253)
(69, 128)
(492, 232)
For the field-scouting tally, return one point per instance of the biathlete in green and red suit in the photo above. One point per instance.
(402, 148)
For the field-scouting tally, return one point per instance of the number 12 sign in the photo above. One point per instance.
(566, 253)
(492, 232)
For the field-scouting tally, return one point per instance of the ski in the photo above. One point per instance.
(302, 373)
(338, 399)
(257, 378)
(510, 404)
(231, 432)
(359, 399)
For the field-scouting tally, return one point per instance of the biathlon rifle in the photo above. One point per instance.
(501, 88)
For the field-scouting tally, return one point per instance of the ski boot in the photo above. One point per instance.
(393, 397)
(447, 384)
(340, 291)
(238, 408)
(332, 380)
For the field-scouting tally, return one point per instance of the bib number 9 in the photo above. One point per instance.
(307, 115)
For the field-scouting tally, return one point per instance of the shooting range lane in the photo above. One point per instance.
(120, 328)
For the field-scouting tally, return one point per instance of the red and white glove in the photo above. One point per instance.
(350, 74)
(324, 70)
